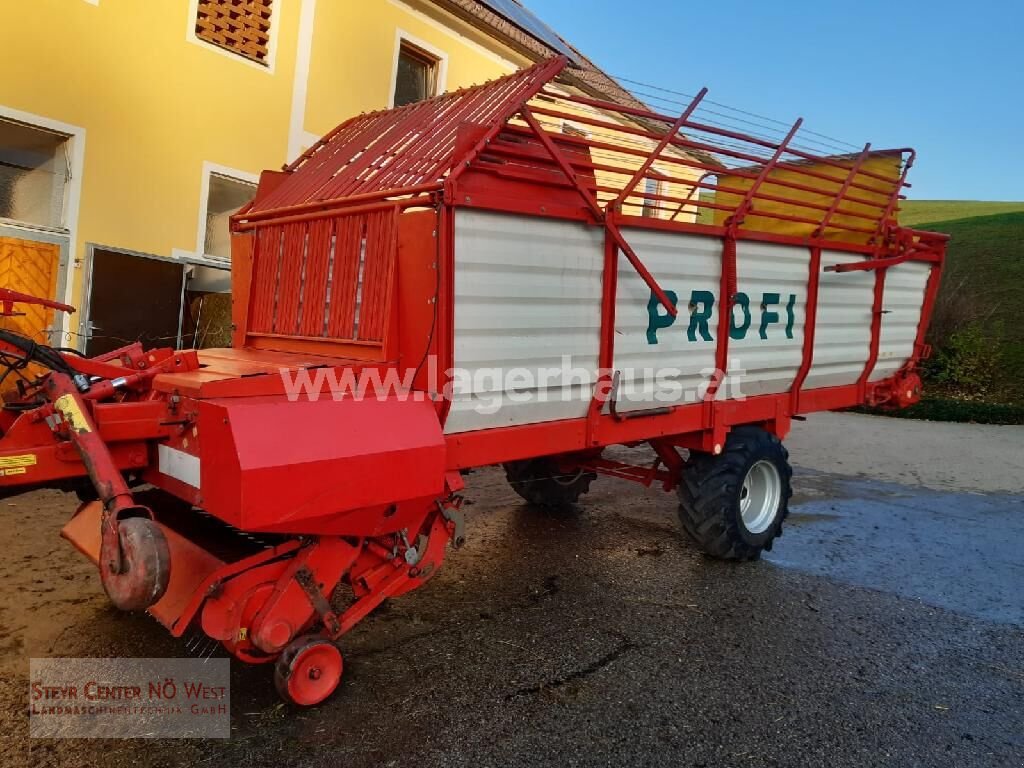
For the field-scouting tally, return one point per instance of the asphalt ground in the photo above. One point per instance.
(883, 629)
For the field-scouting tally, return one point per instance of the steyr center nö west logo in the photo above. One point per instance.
(774, 315)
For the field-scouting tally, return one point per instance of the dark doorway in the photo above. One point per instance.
(133, 298)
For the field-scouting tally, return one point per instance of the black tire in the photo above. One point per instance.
(541, 482)
(712, 488)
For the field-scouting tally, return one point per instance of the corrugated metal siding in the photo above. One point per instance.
(901, 303)
(681, 263)
(842, 337)
(527, 292)
(769, 365)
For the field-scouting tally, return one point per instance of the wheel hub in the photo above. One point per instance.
(308, 670)
(760, 496)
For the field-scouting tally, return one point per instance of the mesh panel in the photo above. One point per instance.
(242, 26)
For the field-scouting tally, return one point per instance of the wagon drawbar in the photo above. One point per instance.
(515, 273)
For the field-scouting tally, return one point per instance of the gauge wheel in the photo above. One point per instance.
(308, 671)
(145, 566)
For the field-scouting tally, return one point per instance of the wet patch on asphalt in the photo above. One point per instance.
(961, 551)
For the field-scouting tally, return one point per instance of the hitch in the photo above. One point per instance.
(134, 558)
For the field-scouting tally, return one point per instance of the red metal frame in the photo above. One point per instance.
(8, 298)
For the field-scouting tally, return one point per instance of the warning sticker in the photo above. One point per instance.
(22, 460)
(72, 413)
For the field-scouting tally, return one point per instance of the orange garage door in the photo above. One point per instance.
(29, 267)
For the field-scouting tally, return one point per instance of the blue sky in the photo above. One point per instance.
(946, 78)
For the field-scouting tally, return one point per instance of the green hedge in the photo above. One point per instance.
(948, 409)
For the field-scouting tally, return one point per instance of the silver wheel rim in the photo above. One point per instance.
(760, 496)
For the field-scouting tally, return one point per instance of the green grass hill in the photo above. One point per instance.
(982, 295)
(914, 213)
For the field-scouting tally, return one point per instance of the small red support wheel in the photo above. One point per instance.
(308, 671)
(145, 566)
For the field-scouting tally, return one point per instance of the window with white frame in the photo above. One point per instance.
(34, 173)
(225, 196)
(416, 74)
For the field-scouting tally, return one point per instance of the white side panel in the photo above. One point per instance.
(528, 313)
(901, 305)
(842, 332)
(681, 263)
(672, 364)
(527, 293)
(772, 281)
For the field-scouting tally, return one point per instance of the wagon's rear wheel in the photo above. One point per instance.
(733, 505)
(544, 482)
(308, 671)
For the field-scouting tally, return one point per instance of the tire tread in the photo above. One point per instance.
(536, 481)
(708, 494)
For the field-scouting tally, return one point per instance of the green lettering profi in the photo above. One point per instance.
(656, 320)
(699, 319)
(739, 331)
(790, 315)
(768, 316)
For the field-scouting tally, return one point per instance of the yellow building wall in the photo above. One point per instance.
(155, 107)
(353, 56)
